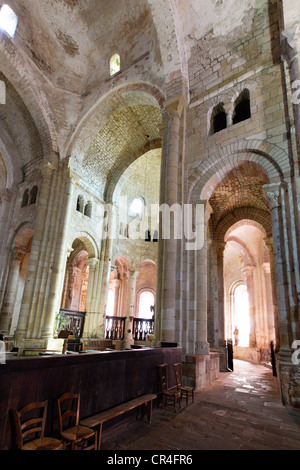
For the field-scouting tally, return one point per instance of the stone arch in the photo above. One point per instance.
(96, 118)
(19, 73)
(89, 243)
(25, 226)
(110, 188)
(249, 214)
(11, 159)
(123, 266)
(248, 258)
(18, 258)
(203, 179)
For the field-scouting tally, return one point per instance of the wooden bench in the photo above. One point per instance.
(99, 345)
(144, 402)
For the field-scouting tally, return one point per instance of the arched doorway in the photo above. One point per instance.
(249, 310)
(19, 258)
(73, 309)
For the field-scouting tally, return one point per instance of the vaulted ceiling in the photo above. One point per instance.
(57, 73)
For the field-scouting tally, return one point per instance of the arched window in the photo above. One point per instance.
(147, 236)
(25, 199)
(242, 110)
(115, 64)
(136, 207)
(88, 209)
(218, 119)
(155, 236)
(80, 204)
(146, 301)
(33, 195)
(8, 20)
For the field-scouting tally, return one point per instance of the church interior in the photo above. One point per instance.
(149, 214)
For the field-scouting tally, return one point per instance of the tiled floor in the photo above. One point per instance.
(240, 411)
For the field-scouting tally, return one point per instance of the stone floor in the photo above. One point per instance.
(240, 411)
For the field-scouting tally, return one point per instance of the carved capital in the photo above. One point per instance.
(175, 106)
(92, 263)
(273, 195)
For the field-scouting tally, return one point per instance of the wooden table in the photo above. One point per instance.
(144, 402)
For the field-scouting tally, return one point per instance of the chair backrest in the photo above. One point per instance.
(163, 373)
(35, 423)
(178, 374)
(72, 410)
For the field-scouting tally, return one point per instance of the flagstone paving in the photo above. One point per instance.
(242, 410)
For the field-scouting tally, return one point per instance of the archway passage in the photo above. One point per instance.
(249, 310)
(76, 280)
(15, 282)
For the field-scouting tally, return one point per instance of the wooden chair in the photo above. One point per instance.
(184, 390)
(35, 424)
(74, 433)
(170, 396)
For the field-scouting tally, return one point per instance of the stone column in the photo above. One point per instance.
(6, 198)
(201, 344)
(36, 272)
(169, 331)
(60, 260)
(45, 275)
(221, 294)
(269, 301)
(248, 270)
(7, 311)
(274, 195)
(269, 245)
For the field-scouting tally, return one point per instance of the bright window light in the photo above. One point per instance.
(146, 301)
(136, 207)
(115, 64)
(8, 20)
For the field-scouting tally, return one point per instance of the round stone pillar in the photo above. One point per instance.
(169, 325)
(273, 193)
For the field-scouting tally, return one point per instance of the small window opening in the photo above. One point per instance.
(147, 236)
(218, 119)
(25, 199)
(33, 195)
(115, 64)
(80, 204)
(242, 109)
(8, 20)
(155, 236)
(88, 210)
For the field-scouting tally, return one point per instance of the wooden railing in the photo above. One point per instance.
(142, 327)
(114, 328)
(74, 321)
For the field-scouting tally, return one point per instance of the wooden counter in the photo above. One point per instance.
(103, 379)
